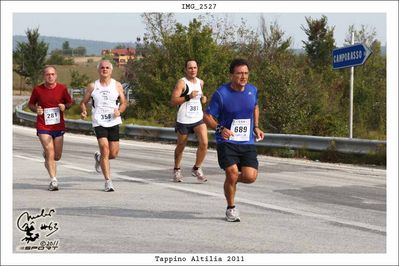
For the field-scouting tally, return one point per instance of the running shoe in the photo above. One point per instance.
(199, 174)
(53, 185)
(108, 186)
(178, 177)
(97, 165)
(232, 215)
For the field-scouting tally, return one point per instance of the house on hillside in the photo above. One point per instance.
(120, 56)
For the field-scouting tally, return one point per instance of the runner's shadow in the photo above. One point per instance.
(97, 211)
(44, 186)
(166, 175)
(363, 197)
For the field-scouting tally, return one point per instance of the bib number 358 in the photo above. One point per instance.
(105, 117)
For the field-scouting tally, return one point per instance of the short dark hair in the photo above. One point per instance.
(189, 60)
(238, 62)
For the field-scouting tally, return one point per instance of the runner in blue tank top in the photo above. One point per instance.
(234, 114)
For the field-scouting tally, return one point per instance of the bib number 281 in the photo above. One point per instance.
(52, 116)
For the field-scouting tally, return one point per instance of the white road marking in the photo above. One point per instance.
(41, 160)
(260, 204)
(78, 168)
(219, 195)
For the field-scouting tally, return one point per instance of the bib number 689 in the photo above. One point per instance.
(240, 129)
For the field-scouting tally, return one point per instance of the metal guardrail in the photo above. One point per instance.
(288, 141)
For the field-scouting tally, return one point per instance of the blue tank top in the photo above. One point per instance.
(235, 111)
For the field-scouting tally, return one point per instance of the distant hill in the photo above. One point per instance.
(95, 47)
(92, 47)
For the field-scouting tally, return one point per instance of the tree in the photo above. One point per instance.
(273, 41)
(30, 57)
(363, 35)
(326, 108)
(158, 25)
(298, 94)
(277, 77)
(59, 59)
(66, 49)
(120, 46)
(65, 45)
(320, 41)
(79, 80)
(167, 47)
(79, 51)
(110, 58)
(369, 99)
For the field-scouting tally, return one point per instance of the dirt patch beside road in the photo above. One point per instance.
(85, 59)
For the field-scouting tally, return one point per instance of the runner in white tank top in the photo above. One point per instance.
(189, 97)
(191, 111)
(108, 103)
(104, 102)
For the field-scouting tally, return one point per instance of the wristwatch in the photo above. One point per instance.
(219, 129)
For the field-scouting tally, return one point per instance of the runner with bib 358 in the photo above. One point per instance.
(108, 102)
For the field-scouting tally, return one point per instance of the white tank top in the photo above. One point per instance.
(191, 111)
(104, 101)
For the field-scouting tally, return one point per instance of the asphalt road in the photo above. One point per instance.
(295, 206)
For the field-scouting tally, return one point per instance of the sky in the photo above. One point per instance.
(126, 27)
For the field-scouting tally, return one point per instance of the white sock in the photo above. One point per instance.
(53, 179)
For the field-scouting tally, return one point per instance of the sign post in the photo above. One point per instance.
(350, 56)
(351, 94)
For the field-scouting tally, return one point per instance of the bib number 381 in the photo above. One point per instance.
(241, 129)
(193, 108)
(52, 116)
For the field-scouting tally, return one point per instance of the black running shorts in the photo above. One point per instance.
(242, 155)
(185, 129)
(111, 133)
